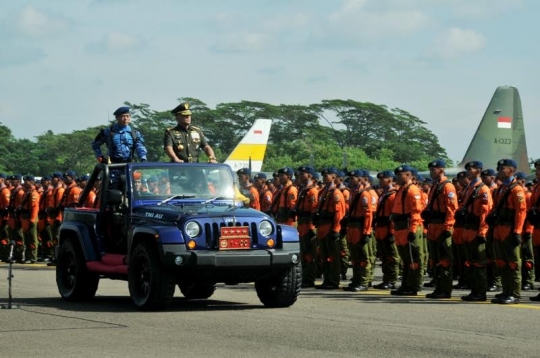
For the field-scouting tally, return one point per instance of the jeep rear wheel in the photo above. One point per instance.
(194, 291)
(150, 286)
(74, 281)
(281, 290)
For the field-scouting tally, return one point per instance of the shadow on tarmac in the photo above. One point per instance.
(124, 304)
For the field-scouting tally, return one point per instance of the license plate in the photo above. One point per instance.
(234, 238)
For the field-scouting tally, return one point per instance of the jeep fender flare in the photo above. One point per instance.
(83, 235)
(288, 233)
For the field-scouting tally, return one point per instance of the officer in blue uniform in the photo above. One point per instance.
(122, 141)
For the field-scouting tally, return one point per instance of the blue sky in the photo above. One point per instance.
(67, 65)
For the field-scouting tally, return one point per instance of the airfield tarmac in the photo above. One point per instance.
(233, 323)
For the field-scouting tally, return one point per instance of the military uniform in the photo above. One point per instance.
(344, 246)
(29, 219)
(5, 196)
(439, 217)
(458, 242)
(122, 142)
(306, 206)
(359, 224)
(472, 214)
(533, 216)
(327, 219)
(285, 199)
(384, 234)
(527, 254)
(408, 233)
(508, 217)
(265, 194)
(14, 222)
(492, 270)
(44, 228)
(247, 189)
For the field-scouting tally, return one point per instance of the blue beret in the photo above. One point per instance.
(84, 177)
(29, 177)
(370, 178)
(428, 180)
(419, 177)
(461, 175)
(46, 177)
(121, 110)
(306, 169)
(437, 163)
(16, 177)
(386, 174)
(507, 163)
(340, 174)
(2, 176)
(402, 168)
(260, 176)
(286, 170)
(245, 171)
(520, 175)
(70, 173)
(414, 172)
(488, 173)
(152, 179)
(57, 175)
(316, 176)
(474, 164)
(329, 170)
(355, 173)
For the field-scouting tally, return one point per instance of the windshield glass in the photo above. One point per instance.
(197, 181)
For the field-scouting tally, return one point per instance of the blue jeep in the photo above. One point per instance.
(158, 225)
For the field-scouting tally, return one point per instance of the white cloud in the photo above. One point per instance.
(244, 42)
(456, 42)
(36, 24)
(357, 21)
(116, 42)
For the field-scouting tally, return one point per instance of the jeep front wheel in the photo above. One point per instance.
(74, 281)
(150, 286)
(195, 291)
(281, 290)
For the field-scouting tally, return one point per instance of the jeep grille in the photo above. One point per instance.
(212, 232)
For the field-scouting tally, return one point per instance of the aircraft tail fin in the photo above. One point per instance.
(251, 149)
(501, 133)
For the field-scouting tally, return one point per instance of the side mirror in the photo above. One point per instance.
(113, 197)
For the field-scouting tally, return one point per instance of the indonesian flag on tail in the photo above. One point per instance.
(504, 122)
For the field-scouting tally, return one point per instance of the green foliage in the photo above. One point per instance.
(341, 133)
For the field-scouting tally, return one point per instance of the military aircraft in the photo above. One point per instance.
(249, 153)
(501, 133)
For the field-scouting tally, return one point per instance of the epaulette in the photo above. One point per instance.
(169, 129)
(195, 128)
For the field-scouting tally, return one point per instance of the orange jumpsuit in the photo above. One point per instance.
(265, 197)
(5, 196)
(534, 208)
(284, 204)
(511, 210)
(384, 235)
(29, 219)
(306, 206)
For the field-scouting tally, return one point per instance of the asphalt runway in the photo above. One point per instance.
(233, 323)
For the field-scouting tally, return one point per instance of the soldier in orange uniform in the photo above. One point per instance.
(46, 200)
(306, 205)
(247, 189)
(489, 177)
(72, 191)
(533, 216)
(439, 217)
(284, 200)
(29, 219)
(14, 222)
(384, 232)
(477, 203)
(527, 255)
(5, 195)
(344, 247)
(507, 218)
(53, 211)
(327, 218)
(408, 232)
(359, 223)
(265, 194)
(91, 197)
(460, 247)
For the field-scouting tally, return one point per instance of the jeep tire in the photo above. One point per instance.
(281, 290)
(150, 286)
(74, 281)
(195, 291)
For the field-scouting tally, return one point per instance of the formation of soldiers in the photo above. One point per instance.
(482, 227)
(31, 213)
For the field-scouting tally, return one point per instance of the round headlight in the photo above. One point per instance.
(193, 229)
(266, 228)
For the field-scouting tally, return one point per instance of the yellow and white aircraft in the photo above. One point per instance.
(249, 153)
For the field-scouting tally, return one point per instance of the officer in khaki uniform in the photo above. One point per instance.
(182, 143)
